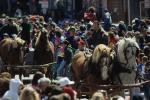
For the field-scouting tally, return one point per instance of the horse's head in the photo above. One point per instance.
(101, 60)
(127, 51)
(42, 37)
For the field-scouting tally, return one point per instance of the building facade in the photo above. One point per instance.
(125, 10)
(120, 9)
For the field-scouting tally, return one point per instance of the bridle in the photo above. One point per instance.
(125, 52)
(104, 55)
(122, 64)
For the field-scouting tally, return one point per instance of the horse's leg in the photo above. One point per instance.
(91, 80)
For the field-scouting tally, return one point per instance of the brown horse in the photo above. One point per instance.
(12, 51)
(44, 49)
(100, 65)
(79, 65)
(93, 69)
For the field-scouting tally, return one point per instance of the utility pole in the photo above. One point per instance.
(129, 15)
(9, 6)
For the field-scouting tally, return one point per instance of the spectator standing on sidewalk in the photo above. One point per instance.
(107, 20)
(26, 28)
(68, 53)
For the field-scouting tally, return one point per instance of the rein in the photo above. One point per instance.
(121, 64)
(122, 67)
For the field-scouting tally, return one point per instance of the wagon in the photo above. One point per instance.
(109, 90)
(25, 70)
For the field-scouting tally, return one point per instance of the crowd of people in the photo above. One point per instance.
(68, 38)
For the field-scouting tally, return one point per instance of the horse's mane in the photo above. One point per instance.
(98, 51)
(38, 39)
(122, 44)
(41, 42)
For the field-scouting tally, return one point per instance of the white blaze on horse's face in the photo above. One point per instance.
(104, 68)
(101, 60)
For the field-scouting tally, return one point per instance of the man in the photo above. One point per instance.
(107, 20)
(66, 84)
(26, 28)
(9, 28)
(98, 36)
(72, 39)
(68, 53)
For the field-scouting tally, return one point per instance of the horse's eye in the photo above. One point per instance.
(127, 51)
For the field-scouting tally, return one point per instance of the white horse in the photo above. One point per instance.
(125, 65)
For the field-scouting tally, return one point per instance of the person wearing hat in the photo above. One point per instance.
(82, 47)
(68, 53)
(67, 84)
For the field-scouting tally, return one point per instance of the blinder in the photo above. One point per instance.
(126, 50)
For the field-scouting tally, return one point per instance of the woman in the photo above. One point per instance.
(29, 94)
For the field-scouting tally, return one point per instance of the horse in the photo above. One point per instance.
(78, 65)
(100, 65)
(44, 49)
(12, 52)
(93, 69)
(125, 65)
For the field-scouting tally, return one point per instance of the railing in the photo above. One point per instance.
(27, 69)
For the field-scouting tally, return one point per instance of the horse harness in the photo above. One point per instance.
(87, 60)
(118, 66)
(93, 71)
(125, 52)
(121, 64)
